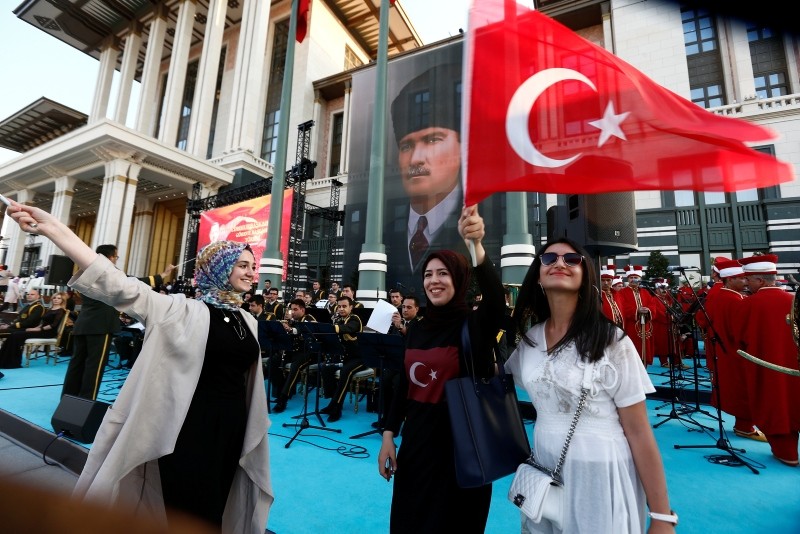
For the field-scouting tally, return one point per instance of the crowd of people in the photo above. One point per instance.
(207, 375)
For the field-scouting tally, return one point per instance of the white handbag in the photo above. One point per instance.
(538, 491)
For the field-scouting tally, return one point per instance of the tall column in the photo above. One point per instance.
(116, 206)
(146, 117)
(741, 61)
(105, 76)
(141, 238)
(206, 86)
(133, 42)
(176, 79)
(60, 209)
(182, 256)
(316, 133)
(344, 163)
(16, 237)
(372, 261)
(248, 76)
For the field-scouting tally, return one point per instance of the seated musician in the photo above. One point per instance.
(257, 309)
(299, 358)
(29, 315)
(348, 326)
(45, 327)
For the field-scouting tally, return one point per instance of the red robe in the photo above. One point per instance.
(663, 344)
(729, 381)
(762, 331)
(632, 327)
(702, 323)
(609, 305)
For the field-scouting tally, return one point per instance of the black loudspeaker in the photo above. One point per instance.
(604, 223)
(79, 418)
(60, 270)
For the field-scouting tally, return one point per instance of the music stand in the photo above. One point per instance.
(320, 338)
(320, 314)
(381, 351)
(273, 338)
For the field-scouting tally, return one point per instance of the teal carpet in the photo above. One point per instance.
(328, 482)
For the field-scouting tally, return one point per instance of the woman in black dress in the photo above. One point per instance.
(426, 496)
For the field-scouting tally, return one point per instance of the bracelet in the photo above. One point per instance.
(672, 517)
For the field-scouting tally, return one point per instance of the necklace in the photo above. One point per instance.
(240, 329)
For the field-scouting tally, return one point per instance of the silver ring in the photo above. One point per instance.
(33, 225)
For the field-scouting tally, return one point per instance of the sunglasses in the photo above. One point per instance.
(571, 259)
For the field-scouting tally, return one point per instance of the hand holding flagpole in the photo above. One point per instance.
(472, 229)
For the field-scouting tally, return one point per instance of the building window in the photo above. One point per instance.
(701, 43)
(769, 61)
(269, 143)
(714, 197)
(337, 126)
(186, 106)
(351, 60)
(684, 198)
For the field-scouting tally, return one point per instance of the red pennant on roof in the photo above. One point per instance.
(302, 20)
(560, 114)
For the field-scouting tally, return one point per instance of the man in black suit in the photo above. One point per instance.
(426, 118)
(94, 328)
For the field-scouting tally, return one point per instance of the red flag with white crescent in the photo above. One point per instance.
(559, 114)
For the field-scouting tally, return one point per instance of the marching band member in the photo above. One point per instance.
(609, 297)
(299, 357)
(348, 326)
(762, 331)
(638, 308)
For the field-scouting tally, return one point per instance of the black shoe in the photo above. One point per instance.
(280, 406)
(335, 415)
(327, 409)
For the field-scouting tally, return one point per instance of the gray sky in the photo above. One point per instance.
(34, 64)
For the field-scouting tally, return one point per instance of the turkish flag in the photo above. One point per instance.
(302, 20)
(549, 111)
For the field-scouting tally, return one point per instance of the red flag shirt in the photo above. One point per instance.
(560, 114)
(428, 370)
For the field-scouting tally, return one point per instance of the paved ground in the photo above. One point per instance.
(21, 464)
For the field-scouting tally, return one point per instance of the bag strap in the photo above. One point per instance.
(585, 386)
(466, 349)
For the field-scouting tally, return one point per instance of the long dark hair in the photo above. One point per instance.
(591, 331)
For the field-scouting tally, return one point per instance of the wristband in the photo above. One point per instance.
(672, 517)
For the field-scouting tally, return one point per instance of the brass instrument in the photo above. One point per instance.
(793, 320)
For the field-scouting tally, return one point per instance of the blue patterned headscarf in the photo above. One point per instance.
(212, 273)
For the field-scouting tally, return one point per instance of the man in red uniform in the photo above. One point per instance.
(667, 343)
(609, 297)
(762, 331)
(728, 384)
(638, 307)
(700, 318)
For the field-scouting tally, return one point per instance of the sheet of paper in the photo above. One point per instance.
(381, 318)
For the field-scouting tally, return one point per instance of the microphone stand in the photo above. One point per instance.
(722, 441)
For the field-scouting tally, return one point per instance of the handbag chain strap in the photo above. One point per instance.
(556, 473)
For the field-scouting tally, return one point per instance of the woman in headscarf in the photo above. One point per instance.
(426, 495)
(188, 430)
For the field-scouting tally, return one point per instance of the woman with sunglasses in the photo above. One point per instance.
(613, 467)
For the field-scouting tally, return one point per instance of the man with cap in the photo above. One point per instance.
(728, 390)
(762, 330)
(426, 120)
(700, 317)
(668, 338)
(616, 284)
(638, 308)
(609, 298)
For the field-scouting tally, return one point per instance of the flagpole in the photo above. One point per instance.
(372, 261)
(271, 265)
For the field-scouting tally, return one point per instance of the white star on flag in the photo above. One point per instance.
(609, 125)
(433, 374)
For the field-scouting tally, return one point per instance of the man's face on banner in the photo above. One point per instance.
(429, 161)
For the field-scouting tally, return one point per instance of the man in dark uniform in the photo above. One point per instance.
(349, 291)
(257, 309)
(348, 326)
(317, 293)
(273, 306)
(29, 315)
(299, 357)
(94, 329)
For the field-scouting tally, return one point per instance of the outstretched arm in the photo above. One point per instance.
(472, 229)
(37, 221)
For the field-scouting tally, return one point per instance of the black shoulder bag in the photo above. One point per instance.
(489, 439)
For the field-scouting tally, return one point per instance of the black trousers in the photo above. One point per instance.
(87, 365)
(339, 387)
